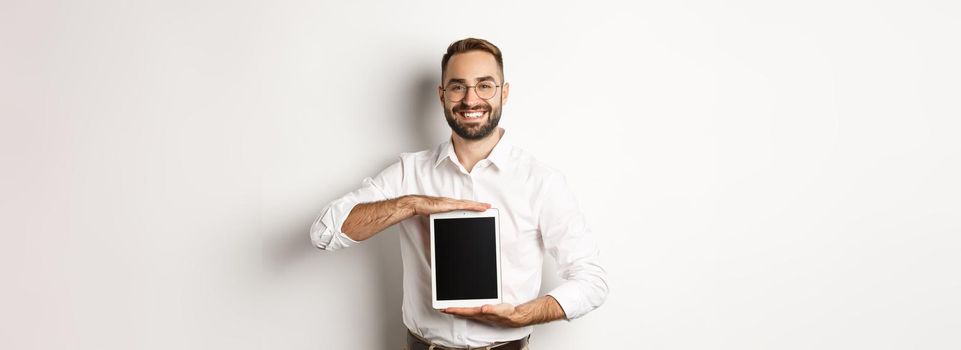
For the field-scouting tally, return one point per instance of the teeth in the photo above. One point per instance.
(473, 114)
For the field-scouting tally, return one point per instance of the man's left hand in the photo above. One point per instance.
(504, 315)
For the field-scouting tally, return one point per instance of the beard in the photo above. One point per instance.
(473, 131)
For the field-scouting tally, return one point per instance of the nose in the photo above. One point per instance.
(472, 98)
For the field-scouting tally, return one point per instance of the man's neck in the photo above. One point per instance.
(469, 152)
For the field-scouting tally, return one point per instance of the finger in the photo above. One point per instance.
(463, 311)
(497, 310)
(458, 204)
(463, 314)
(475, 206)
(475, 312)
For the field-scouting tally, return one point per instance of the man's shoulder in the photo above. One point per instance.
(525, 163)
(429, 154)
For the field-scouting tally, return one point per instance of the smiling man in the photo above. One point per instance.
(475, 169)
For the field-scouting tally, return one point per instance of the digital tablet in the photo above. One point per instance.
(465, 258)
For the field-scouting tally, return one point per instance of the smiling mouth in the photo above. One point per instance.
(472, 115)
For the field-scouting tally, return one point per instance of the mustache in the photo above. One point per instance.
(478, 108)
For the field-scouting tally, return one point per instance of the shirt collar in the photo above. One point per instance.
(499, 156)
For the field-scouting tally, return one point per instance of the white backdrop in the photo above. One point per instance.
(758, 175)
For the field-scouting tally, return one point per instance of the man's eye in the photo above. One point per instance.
(486, 86)
(456, 88)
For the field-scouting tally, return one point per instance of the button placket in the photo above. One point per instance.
(460, 328)
(469, 188)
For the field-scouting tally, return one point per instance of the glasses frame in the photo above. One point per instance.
(444, 89)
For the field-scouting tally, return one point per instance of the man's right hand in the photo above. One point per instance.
(426, 205)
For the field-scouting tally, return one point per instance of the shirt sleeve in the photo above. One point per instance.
(325, 232)
(569, 241)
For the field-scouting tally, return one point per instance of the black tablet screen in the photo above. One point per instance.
(465, 258)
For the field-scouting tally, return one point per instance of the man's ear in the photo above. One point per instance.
(505, 92)
(440, 93)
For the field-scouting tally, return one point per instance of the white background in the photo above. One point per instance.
(759, 175)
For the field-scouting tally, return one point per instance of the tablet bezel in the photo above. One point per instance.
(459, 214)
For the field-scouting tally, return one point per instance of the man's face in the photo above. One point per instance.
(472, 69)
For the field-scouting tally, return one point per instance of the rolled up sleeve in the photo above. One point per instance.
(569, 241)
(325, 232)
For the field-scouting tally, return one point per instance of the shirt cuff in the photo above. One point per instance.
(325, 232)
(571, 299)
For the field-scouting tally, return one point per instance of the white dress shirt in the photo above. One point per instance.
(538, 214)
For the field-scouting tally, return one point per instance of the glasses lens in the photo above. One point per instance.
(455, 92)
(486, 90)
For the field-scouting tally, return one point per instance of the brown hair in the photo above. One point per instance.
(471, 44)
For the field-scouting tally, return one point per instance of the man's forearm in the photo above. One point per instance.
(367, 219)
(541, 310)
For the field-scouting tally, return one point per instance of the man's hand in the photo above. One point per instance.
(367, 219)
(426, 205)
(504, 315)
(540, 310)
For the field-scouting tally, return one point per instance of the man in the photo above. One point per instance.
(475, 170)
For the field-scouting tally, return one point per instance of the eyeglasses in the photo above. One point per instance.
(455, 92)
